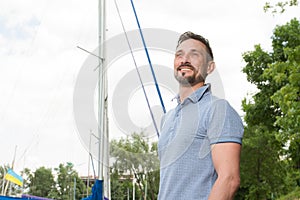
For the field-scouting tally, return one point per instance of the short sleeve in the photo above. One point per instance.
(224, 125)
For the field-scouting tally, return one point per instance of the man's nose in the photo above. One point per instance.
(185, 59)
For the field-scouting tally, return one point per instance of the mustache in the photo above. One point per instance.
(186, 65)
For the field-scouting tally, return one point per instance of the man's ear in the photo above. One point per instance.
(211, 67)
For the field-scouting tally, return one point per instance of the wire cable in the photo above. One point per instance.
(137, 70)
(148, 57)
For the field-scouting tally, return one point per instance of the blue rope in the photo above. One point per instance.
(137, 70)
(148, 57)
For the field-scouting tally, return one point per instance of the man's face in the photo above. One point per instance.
(190, 63)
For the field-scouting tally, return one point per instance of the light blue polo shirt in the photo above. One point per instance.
(187, 131)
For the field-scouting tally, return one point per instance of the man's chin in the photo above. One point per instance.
(184, 81)
(188, 81)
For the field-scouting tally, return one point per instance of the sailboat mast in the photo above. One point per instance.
(103, 160)
(101, 88)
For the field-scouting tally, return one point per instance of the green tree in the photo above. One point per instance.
(121, 186)
(3, 170)
(41, 182)
(67, 177)
(270, 155)
(27, 177)
(134, 158)
(286, 73)
(280, 6)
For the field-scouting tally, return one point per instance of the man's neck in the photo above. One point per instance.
(185, 92)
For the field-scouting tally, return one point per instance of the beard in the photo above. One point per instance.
(189, 81)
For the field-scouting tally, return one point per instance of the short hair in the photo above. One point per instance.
(190, 35)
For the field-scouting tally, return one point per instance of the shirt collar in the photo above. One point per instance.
(195, 96)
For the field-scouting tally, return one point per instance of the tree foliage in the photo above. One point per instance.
(67, 178)
(279, 7)
(56, 184)
(3, 170)
(270, 160)
(41, 182)
(134, 158)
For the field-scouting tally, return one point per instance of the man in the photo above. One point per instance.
(200, 140)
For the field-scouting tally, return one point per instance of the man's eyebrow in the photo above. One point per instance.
(195, 50)
(191, 50)
(199, 51)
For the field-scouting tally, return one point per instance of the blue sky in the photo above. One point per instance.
(40, 61)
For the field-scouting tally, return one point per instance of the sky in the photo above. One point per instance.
(40, 63)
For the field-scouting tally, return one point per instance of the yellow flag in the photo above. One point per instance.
(13, 177)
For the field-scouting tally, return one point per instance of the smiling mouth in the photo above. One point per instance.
(186, 67)
(183, 70)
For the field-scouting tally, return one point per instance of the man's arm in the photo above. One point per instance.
(226, 160)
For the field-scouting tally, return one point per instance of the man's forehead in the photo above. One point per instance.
(190, 44)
